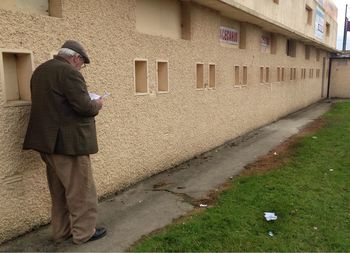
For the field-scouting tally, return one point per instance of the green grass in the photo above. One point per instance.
(311, 201)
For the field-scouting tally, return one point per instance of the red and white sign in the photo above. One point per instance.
(229, 35)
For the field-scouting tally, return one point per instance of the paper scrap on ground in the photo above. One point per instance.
(94, 96)
(203, 205)
(270, 216)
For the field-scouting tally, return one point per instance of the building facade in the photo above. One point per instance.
(184, 77)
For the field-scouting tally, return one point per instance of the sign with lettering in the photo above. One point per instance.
(319, 23)
(265, 42)
(229, 35)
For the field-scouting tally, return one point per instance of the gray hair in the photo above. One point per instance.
(66, 52)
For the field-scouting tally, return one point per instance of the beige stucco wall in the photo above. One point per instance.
(340, 78)
(291, 14)
(140, 135)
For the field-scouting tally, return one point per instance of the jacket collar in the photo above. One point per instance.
(60, 58)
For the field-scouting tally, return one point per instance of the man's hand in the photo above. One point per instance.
(99, 102)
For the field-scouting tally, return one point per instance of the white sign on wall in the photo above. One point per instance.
(319, 23)
(229, 35)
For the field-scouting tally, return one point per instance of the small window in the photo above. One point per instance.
(317, 73)
(291, 48)
(245, 75)
(328, 29)
(211, 76)
(318, 55)
(294, 74)
(16, 70)
(273, 43)
(267, 77)
(291, 74)
(200, 76)
(236, 75)
(308, 15)
(278, 74)
(261, 74)
(282, 74)
(307, 52)
(162, 76)
(141, 77)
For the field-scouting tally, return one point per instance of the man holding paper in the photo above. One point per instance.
(62, 129)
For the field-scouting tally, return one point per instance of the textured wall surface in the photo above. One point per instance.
(142, 135)
(293, 15)
(340, 78)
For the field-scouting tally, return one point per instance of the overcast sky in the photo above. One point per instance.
(341, 15)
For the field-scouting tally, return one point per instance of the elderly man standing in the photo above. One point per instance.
(62, 129)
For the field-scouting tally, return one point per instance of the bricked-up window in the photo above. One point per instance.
(169, 18)
(200, 76)
(42, 7)
(243, 36)
(294, 74)
(308, 15)
(307, 52)
(317, 73)
(328, 29)
(318, 55)
(162, 76)
(291, 74)
(291, 48)
(16, 68)
(261, 74)
(141, 76)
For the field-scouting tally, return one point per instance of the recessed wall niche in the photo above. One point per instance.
(41, 7)
(200, 76)
(16, 68)
(141, 76)
(162, 76)
(211, 78)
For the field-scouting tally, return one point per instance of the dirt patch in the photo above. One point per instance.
(283, 152)
(276, 157)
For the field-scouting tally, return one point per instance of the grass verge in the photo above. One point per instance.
(309, 192)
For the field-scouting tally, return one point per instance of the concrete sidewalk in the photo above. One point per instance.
(155, 202)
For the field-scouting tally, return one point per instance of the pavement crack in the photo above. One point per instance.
(185, 197)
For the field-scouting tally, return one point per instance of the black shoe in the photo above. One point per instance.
(99, 233)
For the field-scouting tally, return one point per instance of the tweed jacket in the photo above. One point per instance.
(62, 113)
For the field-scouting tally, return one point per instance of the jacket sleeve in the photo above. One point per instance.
(75, 90)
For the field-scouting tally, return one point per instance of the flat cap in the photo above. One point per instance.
(77, 47)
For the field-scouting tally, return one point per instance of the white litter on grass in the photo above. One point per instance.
(330, 169)
(314, 137)
(270, 216)
(275, 153)
(203, 205)
(270, 233)
(315, 228)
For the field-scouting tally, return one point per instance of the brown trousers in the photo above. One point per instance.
(73, 194)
